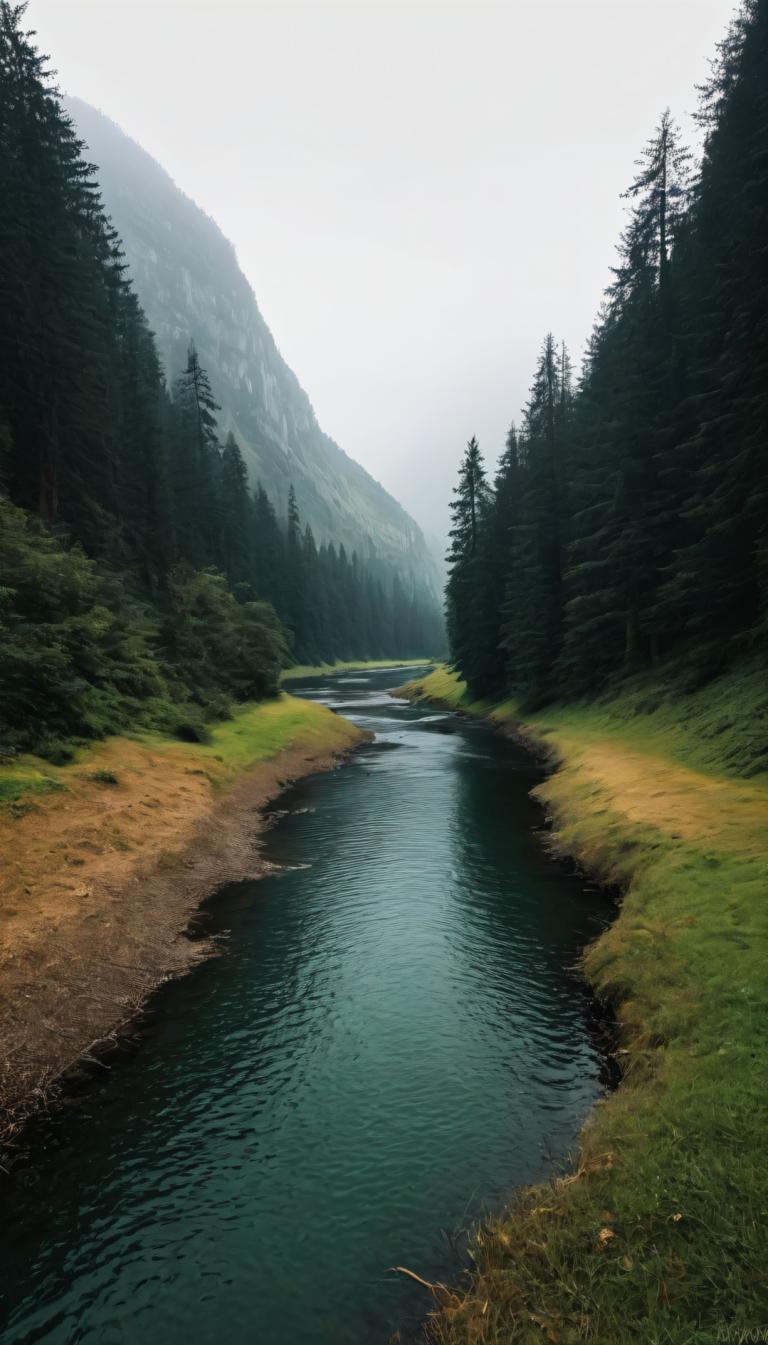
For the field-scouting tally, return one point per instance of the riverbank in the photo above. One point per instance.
(659, 1233)
(106, 861)
(303, 670)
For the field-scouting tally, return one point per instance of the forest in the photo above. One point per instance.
(141, 580)
(446, 1001)
(625, 531)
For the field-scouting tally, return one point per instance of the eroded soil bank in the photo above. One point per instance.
(102, 875)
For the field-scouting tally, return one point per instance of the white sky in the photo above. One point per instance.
(417, 190)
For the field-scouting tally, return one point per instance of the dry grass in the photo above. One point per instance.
(105, 862)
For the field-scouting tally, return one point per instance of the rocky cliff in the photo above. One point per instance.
(190, 285)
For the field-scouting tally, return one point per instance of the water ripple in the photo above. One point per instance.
(393, 1040)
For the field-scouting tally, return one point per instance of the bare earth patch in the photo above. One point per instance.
(99, 882)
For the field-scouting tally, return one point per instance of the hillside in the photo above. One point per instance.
(189, 283)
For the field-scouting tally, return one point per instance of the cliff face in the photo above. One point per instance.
(189, 283)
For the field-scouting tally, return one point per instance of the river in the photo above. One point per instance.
(393, 1040)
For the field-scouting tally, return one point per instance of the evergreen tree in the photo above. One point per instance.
(715, 586)
(315, 617)
(139, 532)
(266, 548)
(632, 515)
(661, 191)
(294, 585)
(195, 466)
(538, 472)
(147, 524)
(237, 514)
(468, 613)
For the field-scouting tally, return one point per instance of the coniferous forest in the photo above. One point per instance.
(626, 526)
(140, 578)
(411, 1004)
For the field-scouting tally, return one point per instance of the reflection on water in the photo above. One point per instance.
(392, 1041)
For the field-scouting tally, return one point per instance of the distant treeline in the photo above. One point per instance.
(628, 520)
(139, 578)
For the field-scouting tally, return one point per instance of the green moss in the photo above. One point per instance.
(660, 1233)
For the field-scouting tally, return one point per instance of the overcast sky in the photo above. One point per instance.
(417, 190)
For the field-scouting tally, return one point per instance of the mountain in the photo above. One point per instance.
(190, 286)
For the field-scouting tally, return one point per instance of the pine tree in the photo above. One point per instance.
(715, 587)
(237, 515)
(629, 415)
(127, 575)
(194, 465)
(146, 512)
(661, 191)
(62, 282)
(469, 615)
(266, 548)
(294, 595)
(632, 516)
(540, 471)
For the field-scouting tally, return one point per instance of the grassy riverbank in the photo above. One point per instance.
(253, 733)
(106, 861)
(319, 669)
(660, 1232)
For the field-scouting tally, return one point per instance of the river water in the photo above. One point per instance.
(393, 1040)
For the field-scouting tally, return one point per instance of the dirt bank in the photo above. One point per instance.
(102, 875)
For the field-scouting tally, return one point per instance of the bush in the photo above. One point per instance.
(191, 731)
(82, 656)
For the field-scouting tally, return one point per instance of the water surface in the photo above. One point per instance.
(392, 1041)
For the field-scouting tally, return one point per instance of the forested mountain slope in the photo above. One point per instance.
(190, 286)
(141, 582)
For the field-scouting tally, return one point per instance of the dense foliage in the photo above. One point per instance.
(139, 578)
(83, 654)
(627, 522)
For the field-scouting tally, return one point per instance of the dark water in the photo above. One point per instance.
(391, 1043)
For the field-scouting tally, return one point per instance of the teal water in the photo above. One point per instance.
(392, 1041)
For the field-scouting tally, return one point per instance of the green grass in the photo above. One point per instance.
(444, 686)
(25, 778)
(720, 728)
(319, 669)
(660, 1233)
(262, 730)
(255, 732)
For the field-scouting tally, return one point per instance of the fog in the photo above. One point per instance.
(417, 191)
